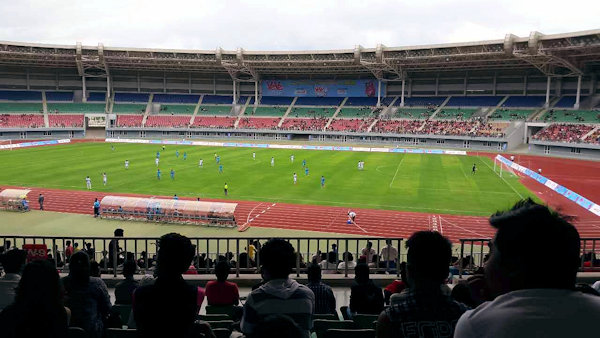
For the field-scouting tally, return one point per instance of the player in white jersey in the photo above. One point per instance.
(295, 178)
(104, 178)
(358, 166)
(292, 158)
(156, 160)
(201, 163)
(126, 164)
(88, 182)
(272, 161)
(351, 216)
(253, 155)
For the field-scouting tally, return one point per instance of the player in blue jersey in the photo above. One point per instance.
(220, 169)
(177, 153)
(303, 163)
(306, 171)
(172, 174)
(184, 156)
(158, 174)
(157, 154)
(322, 181)
(218, 159)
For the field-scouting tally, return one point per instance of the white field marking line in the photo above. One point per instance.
(250, 213)
(465, 229)
(469, 191)
(441, 227)
(262, 212)
(463, 171)
(510, 186)
(398, 168)
(358, 226)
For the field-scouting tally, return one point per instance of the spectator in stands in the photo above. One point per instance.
(365, 296)
(12, 261)
(169, 306)
(125, 288)
(348, 261)
(68, 251)
(368, 252)
(95, 269)
(24, 204)
(330, 265)
(280, 294)
(389, 256)
(428, 261)
(324, 298)
(89, 250)
(86, 296)
(222, 292)
(38, 309)
(113, 246)
(534, 297)
(397, 285)
(7, 246)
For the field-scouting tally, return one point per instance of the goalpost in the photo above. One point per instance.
(502, 168)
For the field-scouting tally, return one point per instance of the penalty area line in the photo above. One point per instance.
(397, 168)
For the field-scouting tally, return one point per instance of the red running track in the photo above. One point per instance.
(370, 222)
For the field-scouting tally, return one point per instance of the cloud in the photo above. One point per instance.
(284, 24)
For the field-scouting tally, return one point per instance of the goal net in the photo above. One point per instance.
(502, 167)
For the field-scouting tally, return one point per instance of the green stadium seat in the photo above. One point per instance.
(183, 109)
(221, 324)
(328, 316)
(454, 113)
(129, 108)
(364, 321)
(121, 333)
(320, 326)
(354, 112)
(511, 114)
(345, 333)
(78, 108)
(220, 309)
(214, 110)
(214, 317)
(12, 107)
(222, 332)
(266, 111)
(312, 112)
(76, 332)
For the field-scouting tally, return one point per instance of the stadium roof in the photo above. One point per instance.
(568, 54)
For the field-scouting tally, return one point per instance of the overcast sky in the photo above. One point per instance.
(286, 25)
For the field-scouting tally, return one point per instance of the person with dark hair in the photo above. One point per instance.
(397, 285)
(365, 297)
(324, 298)
(41, 201)
(423, 303)
(533, 296)
(12, 261)
(276, 326)
(125, 288)
(68, 251)
(90, 251)
(86, 296)
(347, 262)
(95, 269)
(368, 251)
(222, 292)
(169, 306)
(38, 309)
(279, 294)
(330, 265)
(113, 247)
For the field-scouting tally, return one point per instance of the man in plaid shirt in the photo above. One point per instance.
(423, 310)
(324, 298)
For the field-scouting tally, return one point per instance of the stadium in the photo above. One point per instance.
(320, 147)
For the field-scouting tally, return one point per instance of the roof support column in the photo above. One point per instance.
(548, 81)
(83, 89)
(525, 84)
(437, 85)
(164, 82)
(189, 83)
(465, 86)
(576, 106)
(234, 90)
(139, 82)
(593, 83)
(27, 79)
(494, 84)
(108, 85)
(255, 93)
(378, 92)
(402, 94)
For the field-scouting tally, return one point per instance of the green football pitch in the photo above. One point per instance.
(409, 182)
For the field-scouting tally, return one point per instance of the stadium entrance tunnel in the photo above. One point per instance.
(168, 211)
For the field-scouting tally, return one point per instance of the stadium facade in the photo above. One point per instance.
(487, 95)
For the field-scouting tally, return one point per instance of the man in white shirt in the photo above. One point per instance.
(389, 256)
(535, 294)
(368, 252)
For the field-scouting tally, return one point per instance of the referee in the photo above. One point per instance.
(225, 188)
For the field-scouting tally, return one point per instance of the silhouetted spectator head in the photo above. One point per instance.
(119, 232)
(277, 259)
(129, 268)
(428, 258)
(79, 268)
(68, 243)
(275, 326)
(94, 269)
(347, 256)
(13, 260)
(462, 293)
(7, 245)
(222, 270)
(332, 257)
(523, 232)
(175, 253)
(313, 272)
(361, 273)
(369, 245)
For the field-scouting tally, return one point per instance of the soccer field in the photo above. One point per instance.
(410, 182)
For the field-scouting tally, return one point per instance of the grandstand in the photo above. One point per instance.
(500, 89)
